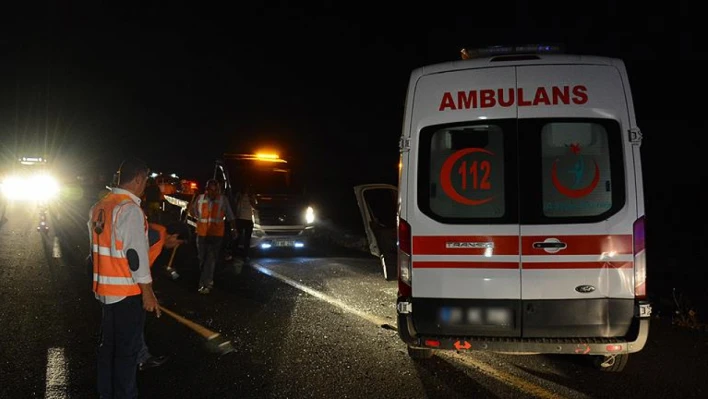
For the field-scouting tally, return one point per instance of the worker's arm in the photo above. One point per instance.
(227, 208)
(158, 239)
(130, 229)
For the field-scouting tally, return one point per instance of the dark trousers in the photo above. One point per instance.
(208, 249)
(244, 229)
(122, 326)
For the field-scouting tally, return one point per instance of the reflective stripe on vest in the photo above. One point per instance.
(111, 272)
(210, 221)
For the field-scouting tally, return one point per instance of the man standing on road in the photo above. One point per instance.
(122, 282)
(245, 203)
(210, 209)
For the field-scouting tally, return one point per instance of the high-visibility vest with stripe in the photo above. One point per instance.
(111, 272)
(210, 220)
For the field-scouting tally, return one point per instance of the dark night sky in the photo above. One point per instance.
(179, 85)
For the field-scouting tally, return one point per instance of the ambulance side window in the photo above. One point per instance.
(467, 172)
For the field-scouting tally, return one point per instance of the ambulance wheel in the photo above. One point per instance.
(389, 266)
(611, 363)
(420, 353)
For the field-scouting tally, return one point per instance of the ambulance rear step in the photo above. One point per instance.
(576, 346)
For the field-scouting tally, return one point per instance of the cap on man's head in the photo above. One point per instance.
(131, 168)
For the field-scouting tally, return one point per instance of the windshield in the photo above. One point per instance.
(263, 179)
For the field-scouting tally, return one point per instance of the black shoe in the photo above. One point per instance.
(153, 361)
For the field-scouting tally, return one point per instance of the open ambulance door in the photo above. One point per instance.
(378, 208)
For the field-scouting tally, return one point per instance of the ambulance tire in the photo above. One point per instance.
(610, 364)
(419, 353)
(389, 266)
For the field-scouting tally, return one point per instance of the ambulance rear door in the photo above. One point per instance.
(464, 225)
(577, 207)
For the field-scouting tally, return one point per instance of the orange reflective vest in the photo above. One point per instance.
(111, 272)
(155, 249)
(210, 220)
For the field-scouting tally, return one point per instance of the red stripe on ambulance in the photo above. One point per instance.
(576, 265)
(582, 245)
(456, 245)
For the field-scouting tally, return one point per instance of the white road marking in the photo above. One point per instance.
(371, 318)
(56, 374)
(516, 378)
(521, 383)
(56, 248)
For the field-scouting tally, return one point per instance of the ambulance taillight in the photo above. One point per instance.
(404, 258)
(640, 260)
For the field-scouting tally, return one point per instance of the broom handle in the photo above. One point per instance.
(203, 331)
(172, 257)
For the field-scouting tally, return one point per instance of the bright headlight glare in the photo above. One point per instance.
(39, 187)
(14, 187)
(310, 215)
(47, 187)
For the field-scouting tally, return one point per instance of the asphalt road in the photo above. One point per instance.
(316, 324)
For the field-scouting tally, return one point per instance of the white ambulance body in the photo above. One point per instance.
(521, 220)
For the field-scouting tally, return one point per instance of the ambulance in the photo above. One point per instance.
(521, 208)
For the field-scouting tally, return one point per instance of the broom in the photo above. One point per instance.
(215, 341)
(173, 272)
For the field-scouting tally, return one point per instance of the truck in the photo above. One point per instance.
(283, 216)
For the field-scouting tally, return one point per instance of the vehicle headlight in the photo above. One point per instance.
(46, 187)
(39, 187)
(310, 215)
(13, 187)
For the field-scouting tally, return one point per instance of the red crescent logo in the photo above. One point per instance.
(446, 183)
(574, 193)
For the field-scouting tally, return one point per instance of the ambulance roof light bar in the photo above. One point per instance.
(468, 54)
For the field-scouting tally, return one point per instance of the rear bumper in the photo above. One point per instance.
(573, 346)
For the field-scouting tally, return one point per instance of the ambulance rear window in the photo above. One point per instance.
(574, 170)
(576, 159)
(464, 172)
(527, 171)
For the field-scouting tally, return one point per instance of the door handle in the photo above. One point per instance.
(550, 245)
